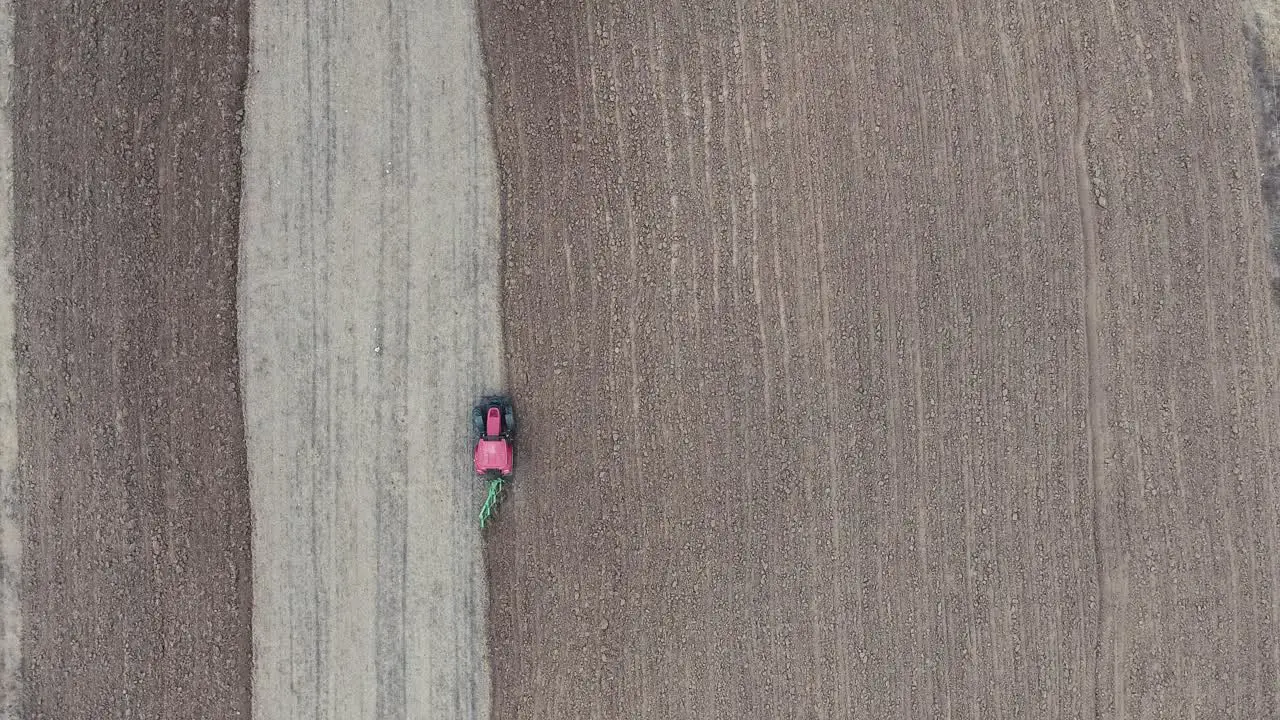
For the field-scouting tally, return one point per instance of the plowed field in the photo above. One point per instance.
(884, 362)
(136, 582)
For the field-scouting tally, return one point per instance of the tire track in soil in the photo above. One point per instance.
(1261, 33)
(11, 513)
(1095, 428)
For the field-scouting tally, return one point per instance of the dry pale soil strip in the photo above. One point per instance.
(369, 306)
(10, 509)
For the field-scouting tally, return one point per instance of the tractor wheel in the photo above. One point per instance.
(509, 419)
(477, 421)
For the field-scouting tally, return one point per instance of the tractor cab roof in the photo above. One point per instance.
(494, 455)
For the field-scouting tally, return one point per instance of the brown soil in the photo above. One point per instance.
(1262, 32)
(884, 363)
(136, 585)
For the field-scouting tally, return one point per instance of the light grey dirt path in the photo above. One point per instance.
(369, 321)
(10, 520)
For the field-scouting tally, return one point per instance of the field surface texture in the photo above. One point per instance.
(369, 324)
(10, 500)
(884, 362)
(136, 582)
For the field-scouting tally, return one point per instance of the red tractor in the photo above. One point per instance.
(494, 424)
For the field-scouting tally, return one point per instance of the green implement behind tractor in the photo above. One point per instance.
(497, 487)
